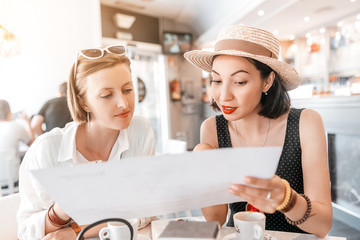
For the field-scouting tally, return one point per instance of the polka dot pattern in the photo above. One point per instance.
(289, 168)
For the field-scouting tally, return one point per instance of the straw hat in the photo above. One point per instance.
(244, 41)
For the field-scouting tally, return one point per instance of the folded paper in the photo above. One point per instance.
(156, 185)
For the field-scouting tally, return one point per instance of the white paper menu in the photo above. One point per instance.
(156, 185)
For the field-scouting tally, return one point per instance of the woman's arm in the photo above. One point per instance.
(315, 176)
(208, 140)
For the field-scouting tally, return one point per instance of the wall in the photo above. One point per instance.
(50, 32)
(144, 29)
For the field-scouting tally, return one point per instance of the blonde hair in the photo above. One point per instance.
(77, 86)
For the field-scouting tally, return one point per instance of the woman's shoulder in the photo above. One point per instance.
(55, 134)
(44, 150)
(139, 127)
(208, 132)
(209, 122)
(139, 122)
(310, 116)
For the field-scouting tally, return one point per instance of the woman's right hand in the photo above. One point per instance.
(61, 234)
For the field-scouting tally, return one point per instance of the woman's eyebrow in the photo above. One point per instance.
(240, 71)
(234, 73)
(213, 71)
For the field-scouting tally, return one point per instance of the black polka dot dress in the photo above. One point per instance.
(289, 168)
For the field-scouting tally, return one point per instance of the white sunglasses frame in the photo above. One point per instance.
(105, 49)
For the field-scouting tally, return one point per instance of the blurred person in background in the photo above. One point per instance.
(12, 133)
(54, 113)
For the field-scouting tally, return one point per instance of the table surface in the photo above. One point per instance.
(153, 230)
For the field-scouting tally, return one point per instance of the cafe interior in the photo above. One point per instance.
(320, 39)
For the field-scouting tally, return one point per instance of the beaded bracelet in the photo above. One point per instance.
(55, 220)
(306, 215)
(287, 196)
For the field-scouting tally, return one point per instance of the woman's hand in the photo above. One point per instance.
(264, 194)
(61, 234)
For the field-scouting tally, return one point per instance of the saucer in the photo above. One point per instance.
(232, 236)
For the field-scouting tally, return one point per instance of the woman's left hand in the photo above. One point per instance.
(61, 234)
(264, 194)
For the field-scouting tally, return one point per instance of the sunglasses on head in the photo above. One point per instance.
(96, 53)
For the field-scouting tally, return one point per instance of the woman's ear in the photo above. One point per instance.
(269, 82)
(83, 104)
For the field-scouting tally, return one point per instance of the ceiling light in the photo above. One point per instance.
(322, 30)
(291, 37)
(124, 21)
(261, 12)
(340, 24)
(358, 17)
(275, 32)
(352, 0)
(307, 19)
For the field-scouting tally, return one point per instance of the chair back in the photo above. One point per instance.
(8, 208)
(8, 168)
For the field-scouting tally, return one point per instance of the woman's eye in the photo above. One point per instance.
(106, 95)
(129, 90)
(240, 83)
(215, 81)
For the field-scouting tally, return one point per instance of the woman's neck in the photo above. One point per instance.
(95, 143)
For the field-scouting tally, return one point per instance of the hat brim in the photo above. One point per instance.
(288, 75)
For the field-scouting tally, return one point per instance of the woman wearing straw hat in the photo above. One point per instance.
(249, 86)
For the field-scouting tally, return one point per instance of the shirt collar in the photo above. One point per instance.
(67, 145)
(67, 150)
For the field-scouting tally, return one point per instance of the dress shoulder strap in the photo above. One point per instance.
(222, 130)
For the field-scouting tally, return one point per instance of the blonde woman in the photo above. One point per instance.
(101, 101)
(249, 86)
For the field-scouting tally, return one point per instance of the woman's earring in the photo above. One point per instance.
(265, 93)
(88, 120)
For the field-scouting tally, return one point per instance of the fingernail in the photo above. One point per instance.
(231, 191)
(234, 187)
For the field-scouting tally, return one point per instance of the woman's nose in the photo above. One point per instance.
(121, 101)
(226, 93)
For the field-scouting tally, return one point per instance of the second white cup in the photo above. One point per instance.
(249, 225)
(119, 231)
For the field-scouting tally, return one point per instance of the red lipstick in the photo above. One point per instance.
(123, 115)
(228, 109)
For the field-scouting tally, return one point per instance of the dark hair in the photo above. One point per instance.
(277, 100)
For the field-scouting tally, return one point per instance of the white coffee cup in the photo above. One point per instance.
(119, 231)
(249, 225)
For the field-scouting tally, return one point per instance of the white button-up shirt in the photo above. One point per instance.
(57, 148)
